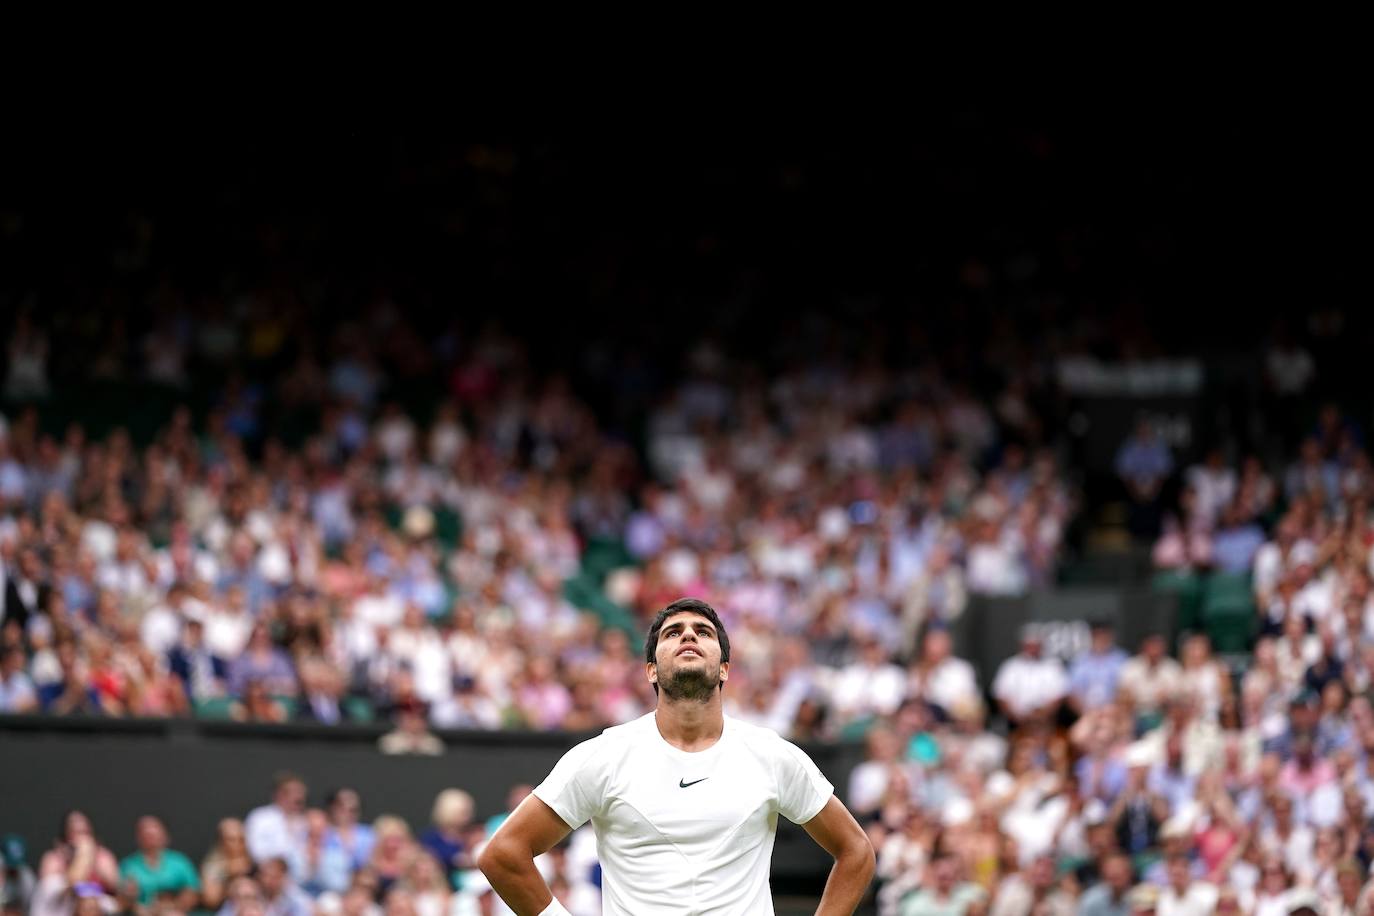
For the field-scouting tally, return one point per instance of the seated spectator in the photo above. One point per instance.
(263, 663)
(445, 840)
(281, 896)
(411, 734)
(1150, 678)
(1030, 688)
(1143, 463)
(883, 776)
(226, 861)
(274, 830)
(157, 870)
(17, 693)
(392, 852)
(1032, 890)
(317, 866)
(941, 892)
(257, 706)
(941, 679)
(17, 880)
(346, 831)
(79, 856)
(1185, 895)
(1110, 895)
(1236, 541)
(1093, 675)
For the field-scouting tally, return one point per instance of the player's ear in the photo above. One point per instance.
(651, 672)
(724, 672)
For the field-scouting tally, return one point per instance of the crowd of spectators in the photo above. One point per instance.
(436, 568)
(286, 858)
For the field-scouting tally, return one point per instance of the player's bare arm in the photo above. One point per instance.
(840, 835)
(508, 859)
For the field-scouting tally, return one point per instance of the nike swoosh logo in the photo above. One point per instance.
(683, 785)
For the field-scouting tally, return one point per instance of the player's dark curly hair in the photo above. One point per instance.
(691, 606)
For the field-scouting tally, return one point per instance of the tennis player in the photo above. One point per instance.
(684, 800)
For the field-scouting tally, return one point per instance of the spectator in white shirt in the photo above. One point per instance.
(1030, 688)
(1184, 896)
(870, 685)
(1150, 678)
(275, 830)
(939, 678)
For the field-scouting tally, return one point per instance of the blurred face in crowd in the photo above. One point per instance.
(1179, 872)
(1116, 871)
(291, 796)
(152, 836)
(346, 807)
(272, 875)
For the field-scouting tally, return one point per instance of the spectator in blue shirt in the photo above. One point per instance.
(1144, 463)
(1236, 542)
(1093, 675)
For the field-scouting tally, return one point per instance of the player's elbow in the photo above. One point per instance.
(858, 858)
(499, 857)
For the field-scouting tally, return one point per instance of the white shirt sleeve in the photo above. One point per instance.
(574, 788)
(802, 789)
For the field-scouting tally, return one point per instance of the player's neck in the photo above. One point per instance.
(689, 725)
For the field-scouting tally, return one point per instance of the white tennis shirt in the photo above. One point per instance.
(689, 834)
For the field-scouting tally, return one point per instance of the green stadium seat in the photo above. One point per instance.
(1228, 612)
(214, 708)
(358, 709)
(1188, 589)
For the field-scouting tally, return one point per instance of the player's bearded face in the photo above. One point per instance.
(689, 682)
(687, 676)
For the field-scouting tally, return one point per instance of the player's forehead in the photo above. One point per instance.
(687, 618)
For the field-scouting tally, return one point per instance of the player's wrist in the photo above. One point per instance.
(555, 909)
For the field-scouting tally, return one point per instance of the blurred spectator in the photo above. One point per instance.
(1150, 678)
(411, 735)
(1144, 463)
(17, 693)
(280, 895)
(157, 870)
(274, 830)
(318, 866)
(226, 861)
(446, 839)
(1029, 687)
(1093, 676)
(17, 880)
(392, 852)
(1184, 895)
(346, 831)
(1111, 895)
(942, 893)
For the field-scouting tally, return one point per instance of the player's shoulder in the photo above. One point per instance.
(759, 738)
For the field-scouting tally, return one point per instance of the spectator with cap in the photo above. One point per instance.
(1029, 687)
(157, 870)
